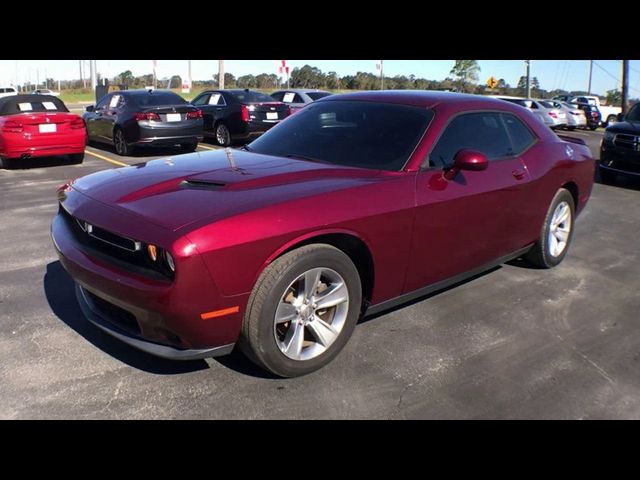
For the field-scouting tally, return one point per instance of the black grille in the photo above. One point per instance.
(120, 251)
(625, 141)
(119, 317)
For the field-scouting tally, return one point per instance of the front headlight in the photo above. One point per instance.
(609, 136)
(170, 262)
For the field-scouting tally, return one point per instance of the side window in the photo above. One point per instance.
(103, 102)
(521, 136)
(278, 96)
(202, 99)
(298, 99)
(482, 131)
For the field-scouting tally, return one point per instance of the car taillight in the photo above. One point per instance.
(146, 116)
(553, 115)
(194, 115)
(244, 112)
(594, 114)
(11, 126)
(289, 110)
(77, 123)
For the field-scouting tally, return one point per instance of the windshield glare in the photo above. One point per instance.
(349, 133)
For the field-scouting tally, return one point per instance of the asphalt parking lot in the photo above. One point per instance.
(515, 342)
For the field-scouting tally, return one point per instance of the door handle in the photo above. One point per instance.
(518, 174)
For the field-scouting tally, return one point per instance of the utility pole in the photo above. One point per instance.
(189, 75)
(81, 76)
(625, 85)
(220, 74)
(92, 70)
(590, 71)
(381, 74)
(527, 64)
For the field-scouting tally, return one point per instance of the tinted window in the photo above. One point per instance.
(251, 97)
(634, 113)
(202, 100)
(104, 101)
(521, 136)
(277, 96)
(157, 98)
(483, 132)
(318, 95)
(351, 133)
(547, 104)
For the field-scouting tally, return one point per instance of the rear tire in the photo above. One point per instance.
(556, 234)
(222, 135)
(120, 143)
(281, 293)
(6, 163)
(76, 158)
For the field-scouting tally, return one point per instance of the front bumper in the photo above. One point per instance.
(160, 316)
(621, 160)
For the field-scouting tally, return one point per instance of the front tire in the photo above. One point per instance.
(120, 143)
(223, 136)
(556, 233)
(6, 163)
(302, 310)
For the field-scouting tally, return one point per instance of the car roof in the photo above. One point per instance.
(143, 91)
(420, 98)
(301, 90)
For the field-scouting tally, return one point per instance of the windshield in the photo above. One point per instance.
(349, 133)
(634, 113)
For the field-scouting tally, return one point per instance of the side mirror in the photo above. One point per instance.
(470, 160)
(90, 108)
(620, 117)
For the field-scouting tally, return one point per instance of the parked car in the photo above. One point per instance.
(557, 115)
(298, 98)
(130, 118)
(620, 147)
(530, 105)
(608, 114)
(576, 118)
(233, 115)
(7, 91)
(46, 91)
(355, 204)
(592, 114)
(39, 127)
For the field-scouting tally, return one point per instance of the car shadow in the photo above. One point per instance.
(39, 162)
(138, 152)
(59, 290)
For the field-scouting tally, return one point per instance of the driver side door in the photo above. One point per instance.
(466, 222)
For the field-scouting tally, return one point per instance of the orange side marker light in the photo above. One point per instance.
(219, 313)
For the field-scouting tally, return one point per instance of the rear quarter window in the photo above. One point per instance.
(521, 136)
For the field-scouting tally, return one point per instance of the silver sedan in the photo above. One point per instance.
(298, 98)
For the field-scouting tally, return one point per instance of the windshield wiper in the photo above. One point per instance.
(303, 157)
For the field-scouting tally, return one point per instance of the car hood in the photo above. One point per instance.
(175, 192)
(631, 128)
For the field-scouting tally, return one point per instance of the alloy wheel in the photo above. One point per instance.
(559, 229)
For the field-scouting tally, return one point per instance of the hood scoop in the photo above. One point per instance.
(202, 184)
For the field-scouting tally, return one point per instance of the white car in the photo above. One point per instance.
(45, 91)
(7, 91)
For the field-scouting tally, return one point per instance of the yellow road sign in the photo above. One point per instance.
(492, 82)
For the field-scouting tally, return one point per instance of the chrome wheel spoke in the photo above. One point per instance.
(286, 313)
(294, 339)
(324, 333)
(335, 295)
(561, 235)
(311, 280)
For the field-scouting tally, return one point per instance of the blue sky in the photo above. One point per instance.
(567, 74)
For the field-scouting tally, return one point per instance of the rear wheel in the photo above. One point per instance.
(556, 233)
(120, 143)
(76, 158)
(223, 137)
(302, 310)
(6, 163)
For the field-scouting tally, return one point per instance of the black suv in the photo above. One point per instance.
(620, 149)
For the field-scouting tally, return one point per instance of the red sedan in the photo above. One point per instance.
(356, 204)
(39, 126)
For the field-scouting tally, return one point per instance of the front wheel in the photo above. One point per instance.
(223, 137)
(302, 310)
(611, 119)
(557, 232)
(6, 163)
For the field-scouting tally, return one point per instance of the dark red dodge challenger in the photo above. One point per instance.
(355, 204)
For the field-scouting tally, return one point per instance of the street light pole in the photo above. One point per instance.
(527, 63)
(381, 74)
(590, 71)
(221, 74)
